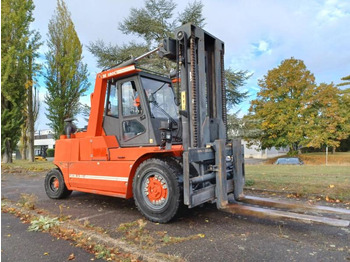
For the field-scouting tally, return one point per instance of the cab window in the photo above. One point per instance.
(131, 104)
(113, 102)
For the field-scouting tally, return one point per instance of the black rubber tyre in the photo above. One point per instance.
(156, 189)
(55, 186)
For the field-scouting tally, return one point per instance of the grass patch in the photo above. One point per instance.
(19, 166)
(43, 223)
(28, 201)
(319, 158)
(338, 158)
(326, 181)
(249, 182)
(136, 232)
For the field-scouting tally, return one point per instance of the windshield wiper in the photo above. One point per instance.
(158, 89)
(154, 102)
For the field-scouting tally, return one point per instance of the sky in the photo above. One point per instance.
(258, 36)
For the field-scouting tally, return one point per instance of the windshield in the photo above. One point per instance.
(161, 98)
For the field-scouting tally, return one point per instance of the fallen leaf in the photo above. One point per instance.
(46, 254)
(331, 186)
(206, 220)
(71, 256)
(201, 235)
(8, 235)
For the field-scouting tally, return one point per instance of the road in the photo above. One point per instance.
(18, 244)
(223, 237)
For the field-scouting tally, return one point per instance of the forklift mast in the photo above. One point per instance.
(200, 58)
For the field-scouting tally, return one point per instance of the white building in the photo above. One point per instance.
(43, 139)
(255, 152)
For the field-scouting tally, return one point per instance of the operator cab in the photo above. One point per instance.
(139, 109)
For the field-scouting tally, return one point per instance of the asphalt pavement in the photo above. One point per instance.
(18, 244)
(224, 237)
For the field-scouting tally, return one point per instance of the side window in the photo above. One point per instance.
(113, 102)
(131, 129)
(130, 99)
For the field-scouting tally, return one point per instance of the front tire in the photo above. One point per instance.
(55, 186)
(156, 189)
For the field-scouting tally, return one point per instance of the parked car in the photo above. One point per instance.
(40, 158)
(289, 161)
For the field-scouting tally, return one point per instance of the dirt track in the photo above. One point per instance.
(204, 233)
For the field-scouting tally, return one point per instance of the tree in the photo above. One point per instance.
(16, 16)
(66, 74)
(31, 106)
(329, 121)
(233, 81)
(345, 78)
(32, 98)
(282, 109)
(153, 23)
(345, 109)
(109, 55)
(193, 14)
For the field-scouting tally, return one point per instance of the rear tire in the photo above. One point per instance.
(55, 186)
(156, 189)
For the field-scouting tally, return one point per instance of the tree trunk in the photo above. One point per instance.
(24, 141)
(30, 118)
(24, 150)
(30, 115)
(7, 156)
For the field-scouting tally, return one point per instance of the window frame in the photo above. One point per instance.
(109, 85)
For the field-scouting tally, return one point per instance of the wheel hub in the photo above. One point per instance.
(56, 183)
(156, 190)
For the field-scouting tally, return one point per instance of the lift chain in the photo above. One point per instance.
(193, 79)
(223, 90)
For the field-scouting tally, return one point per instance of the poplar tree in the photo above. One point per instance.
(31, 104)
(16, 16)
(66, 75)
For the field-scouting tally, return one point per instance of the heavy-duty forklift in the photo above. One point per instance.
(162, 140)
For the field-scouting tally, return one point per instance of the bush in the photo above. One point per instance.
(50, 152)
(43, 224)
(249, 182)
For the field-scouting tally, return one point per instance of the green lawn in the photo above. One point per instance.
(319, 158)
(331, 181)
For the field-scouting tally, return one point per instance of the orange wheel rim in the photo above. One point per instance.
(157, 190)
(56, 183)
